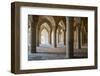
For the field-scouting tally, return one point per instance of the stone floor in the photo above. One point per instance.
(78, 53)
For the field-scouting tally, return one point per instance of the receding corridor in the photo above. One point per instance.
(57, 37)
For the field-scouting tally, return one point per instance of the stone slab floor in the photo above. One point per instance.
(78, 53)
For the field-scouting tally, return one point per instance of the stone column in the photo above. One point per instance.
(57, 38)
(37, 36)
(69, 36)
(33, 37)
(64, 37)
(54, 38)
(50, 37)
(78, 38)
(78, 34)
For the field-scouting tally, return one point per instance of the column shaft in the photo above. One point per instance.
(69, 41)
(78, 37)
(33, 37)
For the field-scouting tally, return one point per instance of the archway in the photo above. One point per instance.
(44, 37)
(61, 34)
(48, 23)
(61, 37)
(84, 34)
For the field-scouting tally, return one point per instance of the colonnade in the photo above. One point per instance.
(58, 31)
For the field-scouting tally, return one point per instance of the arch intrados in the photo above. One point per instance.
(47, 26)
(49, 18)
(62, 25)
(45, 29)
(45, 21)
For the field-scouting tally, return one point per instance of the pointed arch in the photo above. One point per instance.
(44, 37)
(50, 22)
(61, 34)
(44, 34)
